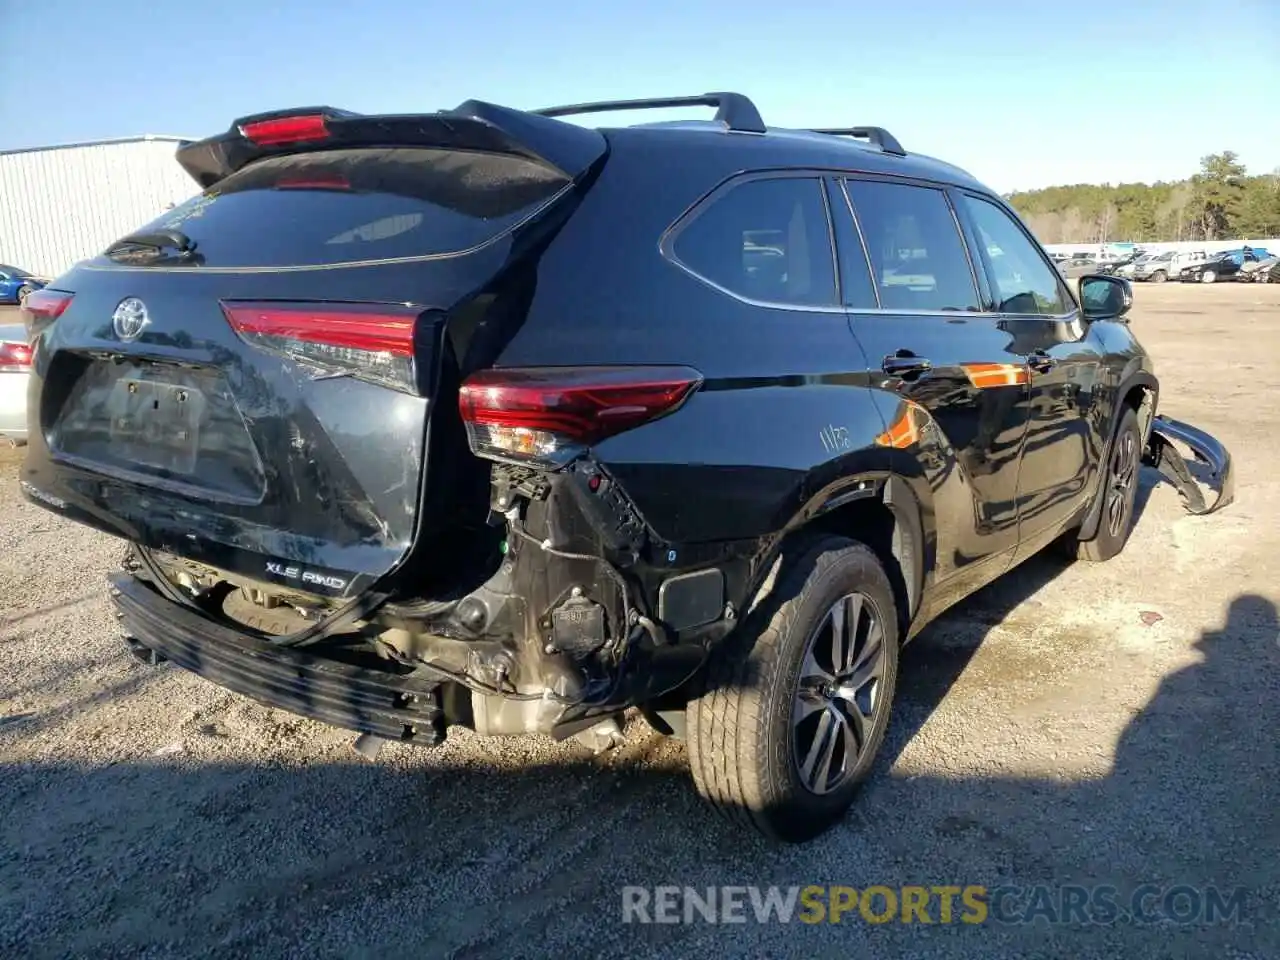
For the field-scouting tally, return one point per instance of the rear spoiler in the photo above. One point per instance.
(473, 125)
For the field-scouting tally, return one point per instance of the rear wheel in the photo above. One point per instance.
(1208, 276)
(1119, 493)
(798, 699)
(24, 291)
(1159, 277)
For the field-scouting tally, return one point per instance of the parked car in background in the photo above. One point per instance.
(1078, 267)
(1222, 266)
(16, 283)
(15, 372)
(1123, 267)
(1266, 270)
(1186, 259)
(1168, 265)
(1156, 267)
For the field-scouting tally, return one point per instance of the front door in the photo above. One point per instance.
(954, 383)
(1063, 443)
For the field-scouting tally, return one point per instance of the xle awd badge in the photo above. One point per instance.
(129, 318)
(306, 576)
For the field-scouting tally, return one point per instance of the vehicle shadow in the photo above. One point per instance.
(483, 849)
(933, 661)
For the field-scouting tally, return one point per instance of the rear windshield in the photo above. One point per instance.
(350, 206)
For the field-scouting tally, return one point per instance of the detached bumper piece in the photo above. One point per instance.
(381, 704)
(1164, 456)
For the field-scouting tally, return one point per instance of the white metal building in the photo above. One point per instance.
(62, 204)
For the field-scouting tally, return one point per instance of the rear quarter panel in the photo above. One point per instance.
(786, 407)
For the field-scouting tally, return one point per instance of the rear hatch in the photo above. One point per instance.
(260, 379)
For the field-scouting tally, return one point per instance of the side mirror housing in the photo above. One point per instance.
(1105, 297)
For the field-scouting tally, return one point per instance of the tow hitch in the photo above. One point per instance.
(1165, 457)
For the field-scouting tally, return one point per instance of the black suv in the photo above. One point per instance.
(1222, 266)
(485, 417)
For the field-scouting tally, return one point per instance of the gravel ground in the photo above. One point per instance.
(1045, 734)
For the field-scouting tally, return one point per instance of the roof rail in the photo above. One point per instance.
(734, 110)
(879, 136)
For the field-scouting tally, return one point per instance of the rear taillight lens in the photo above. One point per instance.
(547, 415)
(371, 342)
(299, 129)
(14, 356)
(41, 308)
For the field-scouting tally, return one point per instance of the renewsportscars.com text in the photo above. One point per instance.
(937, 904)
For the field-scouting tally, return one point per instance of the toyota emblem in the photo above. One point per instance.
(130, 318)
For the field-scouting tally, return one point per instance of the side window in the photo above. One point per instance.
(764, 239)
(918, 260)
(856, 288)
(1024, 282)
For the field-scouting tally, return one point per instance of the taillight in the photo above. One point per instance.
(546, 415)
(46, 305)
(14, 356)
(41, 308)
(372, 342)
(299, 129)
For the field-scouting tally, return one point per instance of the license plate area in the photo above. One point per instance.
(156, 424)
(167, 425)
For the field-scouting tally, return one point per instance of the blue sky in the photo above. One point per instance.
(1020, 94)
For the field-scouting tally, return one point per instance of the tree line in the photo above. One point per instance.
(1220, 202)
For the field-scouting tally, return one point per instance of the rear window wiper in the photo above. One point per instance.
(159, 239)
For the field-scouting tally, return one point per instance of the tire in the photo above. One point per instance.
(746, 746)
(1119, 492)
(1208, 276)
(23, 292)
(1159, 277)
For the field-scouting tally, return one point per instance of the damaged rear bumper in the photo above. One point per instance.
(380, 703)
(1164, 456)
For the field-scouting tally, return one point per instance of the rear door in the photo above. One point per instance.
(249, 382)
(954, 379)
(1063, 443)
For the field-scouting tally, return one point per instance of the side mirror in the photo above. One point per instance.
(1105, 298)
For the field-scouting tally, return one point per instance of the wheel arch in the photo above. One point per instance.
(1139, 391)
(880, 510)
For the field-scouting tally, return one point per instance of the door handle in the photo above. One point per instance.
(905, 364)
(1041, 362)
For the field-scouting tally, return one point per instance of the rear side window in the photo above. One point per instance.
(918, 260)
(355, 205)
(767, 240)
(1024, 282)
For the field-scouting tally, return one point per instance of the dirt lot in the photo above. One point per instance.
(1045, 735)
